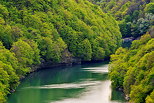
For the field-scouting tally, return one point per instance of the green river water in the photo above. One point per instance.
(86, 83)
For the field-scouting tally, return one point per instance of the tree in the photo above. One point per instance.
(133, 70)
(6, 36)
(25, 54)
(55, 31)
(150, 98)
(149, 8)
(52, 50)
(85, 50)
(4, 84)
(34, 46)
(3, 11)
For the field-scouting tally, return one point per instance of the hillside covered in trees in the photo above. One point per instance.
(36, 31)
(133, 70)
(135, 17)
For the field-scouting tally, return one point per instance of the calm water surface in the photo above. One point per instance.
(86, 83)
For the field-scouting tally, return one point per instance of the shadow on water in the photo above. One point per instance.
(86, 83)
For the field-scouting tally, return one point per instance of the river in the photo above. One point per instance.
(86, 83)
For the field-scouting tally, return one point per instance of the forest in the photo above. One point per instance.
(135, 17)
(34, 32)
(133, 70)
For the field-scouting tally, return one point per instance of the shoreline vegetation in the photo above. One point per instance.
(43, 31)
(131, 67)
(131, 70)
(39, 33)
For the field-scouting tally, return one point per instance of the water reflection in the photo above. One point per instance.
(66, 85)
(102, 69)
(77, 84)
(94, 94)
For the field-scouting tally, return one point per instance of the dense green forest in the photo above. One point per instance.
(37, 31)
(134, 17)
(133, 70)
(34, 32)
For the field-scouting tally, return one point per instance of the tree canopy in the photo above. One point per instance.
(133, 70)
(38, 31)
(135, 17)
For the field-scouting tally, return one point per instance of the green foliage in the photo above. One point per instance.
(9, 77)
(131, 15)
(4, 78)
(3, 11)
(149, 8)
(125, 29)
(150, 98)
(133, 70)
(84, 50)
(24, 52)
(35, 31)
(52, 50)
(98, 52)
(6, 36)
(65, 20)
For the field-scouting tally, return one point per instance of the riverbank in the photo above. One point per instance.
(67, 63)
(86, 83)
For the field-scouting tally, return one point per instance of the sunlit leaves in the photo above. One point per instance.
(133, 70)
(54, 31)
(150, 8)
